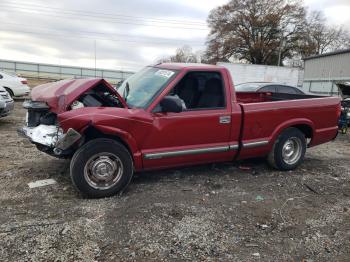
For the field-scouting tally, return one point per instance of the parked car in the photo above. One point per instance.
(6, 102)
(15, 86)
(170, 115)
(268, 87)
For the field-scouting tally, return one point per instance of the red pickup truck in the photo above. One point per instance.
(170, 115)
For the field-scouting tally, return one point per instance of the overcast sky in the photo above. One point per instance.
(125, 34)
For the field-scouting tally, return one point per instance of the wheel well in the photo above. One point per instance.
(93, 133)
(305, 129)
(9, 90)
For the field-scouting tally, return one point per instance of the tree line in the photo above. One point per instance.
(268, 32)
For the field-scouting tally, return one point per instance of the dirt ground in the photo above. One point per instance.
(213, 212)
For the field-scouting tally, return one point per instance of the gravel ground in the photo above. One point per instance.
(212, 212)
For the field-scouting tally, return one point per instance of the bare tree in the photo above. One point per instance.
(184, 54)
(255, 31)
(320, 38)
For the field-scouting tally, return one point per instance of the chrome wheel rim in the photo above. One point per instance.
(103, 171)
(291, 151)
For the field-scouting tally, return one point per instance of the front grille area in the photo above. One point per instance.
(37, 117)
(39, 113)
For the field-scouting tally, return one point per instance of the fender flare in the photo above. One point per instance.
(126, 138)
(9, 90)
(290, 123)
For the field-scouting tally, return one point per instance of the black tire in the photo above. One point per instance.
(9, 91)
(279, 156)
(100, 156)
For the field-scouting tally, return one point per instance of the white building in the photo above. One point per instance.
(244, 73)
(324, 72)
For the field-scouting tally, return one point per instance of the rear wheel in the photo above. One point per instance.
(101, 168)
(289, 150)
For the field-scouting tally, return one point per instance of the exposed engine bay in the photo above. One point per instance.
(42, 126)
(97, 97)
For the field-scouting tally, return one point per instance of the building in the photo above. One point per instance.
(324, 72)
(244, 73)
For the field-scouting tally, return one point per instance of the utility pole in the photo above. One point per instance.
(280, 51)
(95, 56)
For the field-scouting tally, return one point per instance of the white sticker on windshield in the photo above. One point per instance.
(164, 73)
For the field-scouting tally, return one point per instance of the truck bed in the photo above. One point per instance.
(266, 114)
(256, 97)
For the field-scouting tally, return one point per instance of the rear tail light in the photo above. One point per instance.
(24, 82)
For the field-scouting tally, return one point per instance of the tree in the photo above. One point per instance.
(184, 54)
(255, 31)
(320, 38)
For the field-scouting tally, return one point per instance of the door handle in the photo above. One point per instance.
(225, 119)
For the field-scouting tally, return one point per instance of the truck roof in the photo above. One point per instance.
(179, 66)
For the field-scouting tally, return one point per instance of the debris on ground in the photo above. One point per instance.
(259, 198)
(245, 168)
(311, 189)
(262, 226)
(41, 183)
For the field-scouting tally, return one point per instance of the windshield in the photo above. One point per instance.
(140, 89)
(247, 87)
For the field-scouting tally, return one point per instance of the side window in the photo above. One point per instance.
(201, 90)
(297, 91)
(271, 89)
(286, 90)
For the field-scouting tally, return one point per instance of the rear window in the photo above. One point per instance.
(268, 89)
(287, 90)
(248, 87)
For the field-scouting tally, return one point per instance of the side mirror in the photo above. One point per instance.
(171, 104)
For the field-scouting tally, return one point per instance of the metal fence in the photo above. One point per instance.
(57, 72)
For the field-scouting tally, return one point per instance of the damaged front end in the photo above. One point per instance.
(52, 100)
(43, 130)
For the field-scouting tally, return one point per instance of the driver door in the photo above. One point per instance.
(200, 133)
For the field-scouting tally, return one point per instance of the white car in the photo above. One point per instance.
(14, 85)
(6, 103)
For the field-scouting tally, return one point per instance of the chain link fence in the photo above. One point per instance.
(57, 72)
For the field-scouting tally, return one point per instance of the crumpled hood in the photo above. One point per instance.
(59, 95)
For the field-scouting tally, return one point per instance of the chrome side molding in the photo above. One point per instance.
(255, 144)
(190, 152)
(197, 151)
(234, 147)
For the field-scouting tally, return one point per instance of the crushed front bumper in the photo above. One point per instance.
(51, 136)
(42, 134)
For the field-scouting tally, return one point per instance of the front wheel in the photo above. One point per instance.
(289, 150)
(101, 168)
